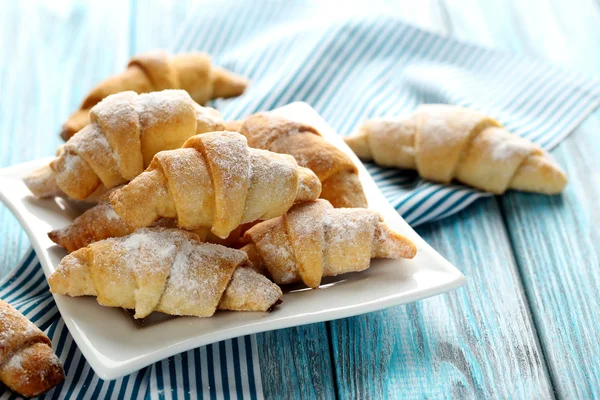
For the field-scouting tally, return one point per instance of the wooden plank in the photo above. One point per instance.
(295, 362)
(557, 246)
(556, 239)
(54, 53)
(477, 342)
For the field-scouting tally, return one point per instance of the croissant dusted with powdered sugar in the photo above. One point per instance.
(313, 240)
(444, 142)
(98, 223)
(126, 131)
(158, 70)
(165, 270)
(27, 363)
(101, 222)
(335, 170)
(215, 181)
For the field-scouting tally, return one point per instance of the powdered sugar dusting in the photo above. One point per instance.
(13, 323)
(7, 331)
(273, 187)
(71, 162)
(389, 244)
(170, 271)
(42, 182)
(230, 157)
(280, 262)
(198, 278)
(110, 214)
(146, 248)
(349, 240)
(155, 107)
(345, 225)
(33, 372)
(249, 290)
(208, 119)
(505, 147)
(116, 111)
(16, 363)
(15, 331)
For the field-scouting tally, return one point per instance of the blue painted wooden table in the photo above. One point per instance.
(525, 326)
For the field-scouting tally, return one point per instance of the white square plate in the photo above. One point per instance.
(115, 346)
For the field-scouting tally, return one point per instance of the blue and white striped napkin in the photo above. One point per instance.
(225, 370)
(349, 63)
(353, 62)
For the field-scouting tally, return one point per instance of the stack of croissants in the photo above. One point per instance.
(194, 214)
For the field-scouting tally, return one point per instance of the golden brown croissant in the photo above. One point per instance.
(444, 142)
(98, 223)
(101, 222)
(155, 71)
(27, 363)
(165, 270)
(314, 240)
(335, 170)
(126, 131)
(215, 181)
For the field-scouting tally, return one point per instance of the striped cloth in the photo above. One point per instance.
(225, 370)
(352, 62)
(349, 63)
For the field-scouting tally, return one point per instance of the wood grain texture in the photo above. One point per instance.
(556, 239)
(51, 54)
(294, 362)
(476, 342)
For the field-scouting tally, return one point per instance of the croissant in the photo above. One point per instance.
(215, 181)
(127, 130)
(165, 270)
(102, 222)
(336, 171)
(443, 142)
(98, 223)
(27, 364)
(314, 240)
(156, 71)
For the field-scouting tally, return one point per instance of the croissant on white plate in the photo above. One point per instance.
(338, 175)
(444, 142)
(165, 270)
(215, 181)
(125, 133)
(101, 222)
(314, 239)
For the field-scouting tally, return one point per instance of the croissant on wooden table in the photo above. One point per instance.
(314, 239)
(215, 181)
(164, 270)
(125, 133)
(27, 363)
(158, 70)
(336, 171)
(444, 142)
